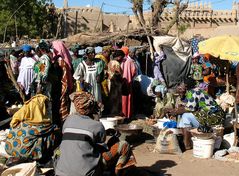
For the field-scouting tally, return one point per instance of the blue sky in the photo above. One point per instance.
(124, 6)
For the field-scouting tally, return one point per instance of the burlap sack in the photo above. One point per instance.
(167, 143)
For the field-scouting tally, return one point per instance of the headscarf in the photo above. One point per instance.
(84, 102)
(26, 48)
(107, 48)
(125, 49)
(61, 49)
(132, 49)
(207, 57)
(43, 45)
(75, 48)
(162, 89)
(195, 55)
(89, 50)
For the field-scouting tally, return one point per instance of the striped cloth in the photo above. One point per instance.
(121, 154)
(64, 111)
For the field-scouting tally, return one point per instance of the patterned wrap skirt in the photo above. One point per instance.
(28, 141)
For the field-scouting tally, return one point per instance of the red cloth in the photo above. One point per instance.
(129, 71)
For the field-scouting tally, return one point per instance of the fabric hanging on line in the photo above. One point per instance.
(178, 54)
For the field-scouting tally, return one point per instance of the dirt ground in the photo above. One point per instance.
(182, 165)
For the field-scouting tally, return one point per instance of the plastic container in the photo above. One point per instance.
(203, 148)
(109, 123)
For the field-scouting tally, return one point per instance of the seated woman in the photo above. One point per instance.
(197, 108)
(83, 138)
(32, 135)
(164, 100)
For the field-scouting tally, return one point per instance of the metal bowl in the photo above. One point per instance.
(129, 128)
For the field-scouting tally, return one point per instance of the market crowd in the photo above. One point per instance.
(67, 91)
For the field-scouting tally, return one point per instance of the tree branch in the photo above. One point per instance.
(179, 8)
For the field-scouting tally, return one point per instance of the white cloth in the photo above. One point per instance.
(89, 74)
(179, 46)
(145, 84)
(26, 73)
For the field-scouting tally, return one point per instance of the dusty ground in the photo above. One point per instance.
(184, 165)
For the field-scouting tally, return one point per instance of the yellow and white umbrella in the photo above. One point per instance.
(225, 47)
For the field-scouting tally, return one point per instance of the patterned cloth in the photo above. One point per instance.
(200, 100)
(204, 107)
(89, 74)
(194, 44)
(84, 102)
(61, 50)
(196, 72)
(167, 102)
(30, 141)
(121, 154)
(64, 111)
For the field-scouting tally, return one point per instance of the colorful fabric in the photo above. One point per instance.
(121, 154)
(161, 104)
(64, 111)
(76, 62)
(162, 89)
(89, 74)
(41, 68)
(129, 72)
(194, 44)
(26, 48)
(125, 49)
(61, 50)
(84, 102)
(89, 50)
(107, 48)
(206, 118)
(102, 57)
(29, 141)
(114, 68)
(207, 57)
(198, 100)
(34, 111)
(196, 72)
(75, 48)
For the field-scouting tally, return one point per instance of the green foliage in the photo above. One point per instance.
(30, 18)
(183, 27)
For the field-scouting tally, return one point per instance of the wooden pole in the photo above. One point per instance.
(227, 78)
(76, 21)
(16, 27)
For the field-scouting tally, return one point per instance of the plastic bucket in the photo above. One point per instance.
(203, 148)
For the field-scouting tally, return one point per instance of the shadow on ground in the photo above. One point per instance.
(157, 169)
